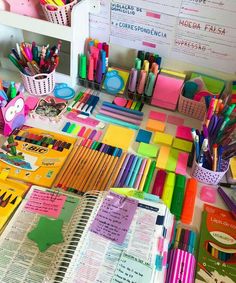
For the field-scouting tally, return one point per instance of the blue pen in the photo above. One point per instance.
(136, 170)
(131, 171)
(220, 152)
(196, 142)
(103, 57)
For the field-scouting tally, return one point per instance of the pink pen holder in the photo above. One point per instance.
(59, 14)
(209, 177)
(40, 84)
(192, 108)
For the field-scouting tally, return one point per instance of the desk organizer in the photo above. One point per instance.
(59, 14)
(208, 176)
(192, 108)
(40, 84)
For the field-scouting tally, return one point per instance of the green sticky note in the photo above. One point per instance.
(172, 160)
(148, 150)
(68, 208)
(213, 84)
(182, 144)
(46, 233)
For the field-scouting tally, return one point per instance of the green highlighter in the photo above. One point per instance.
(178, 196)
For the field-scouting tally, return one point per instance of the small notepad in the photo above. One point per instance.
(118, 136)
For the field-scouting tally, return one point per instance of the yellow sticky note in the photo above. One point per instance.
(233, 167)
(163, 138)
(182, 144)
(109, 79)
(118, 136)
(154, 125)
(163, 157)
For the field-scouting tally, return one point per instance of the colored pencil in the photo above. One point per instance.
(112, 181)
(143, 179)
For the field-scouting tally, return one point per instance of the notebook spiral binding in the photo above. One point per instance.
(84, 214)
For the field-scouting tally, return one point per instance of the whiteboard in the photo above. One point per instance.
(202, 32)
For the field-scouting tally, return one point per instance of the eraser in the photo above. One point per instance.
(148, 150)
(208, 194)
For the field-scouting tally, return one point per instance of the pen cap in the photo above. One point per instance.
(168, 189)
(189, 201)
(159, 183)
(83, 66)
(178, 196)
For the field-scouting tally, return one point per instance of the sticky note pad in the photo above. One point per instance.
(143, 136)
(175, 120)
(118, 136)
(184, 133)
(181, 167)
(172, 160)
(148, 150)
(162, 157)
(182, 145)
(163, 138)
(157, 116)
(154, 125)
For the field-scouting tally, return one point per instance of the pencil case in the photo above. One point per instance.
(59, 14)
(40, 84)
(208, 176)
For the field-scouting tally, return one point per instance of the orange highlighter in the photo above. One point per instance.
(189, 201)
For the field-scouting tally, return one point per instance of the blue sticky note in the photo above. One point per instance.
(143, 136)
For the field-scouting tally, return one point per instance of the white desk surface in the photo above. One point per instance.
(169, 129)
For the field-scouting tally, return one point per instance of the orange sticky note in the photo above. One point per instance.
(163, 156)
(154, 125)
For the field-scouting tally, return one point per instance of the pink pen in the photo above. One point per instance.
(140, 173)
(91, 68)
(141, 82)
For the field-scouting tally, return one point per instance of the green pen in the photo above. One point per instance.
(16, 63)
(149, 177)
(13, 90)
(72, 104)
(178, 196)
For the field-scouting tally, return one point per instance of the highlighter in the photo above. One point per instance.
(159, 183)
(178, 196)
(189, 201)
(168, 189)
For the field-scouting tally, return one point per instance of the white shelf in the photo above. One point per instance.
(35, 25)
(76, 34)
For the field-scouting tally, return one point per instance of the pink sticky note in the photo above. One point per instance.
(181, 167)
(114, 217)
(208, 194)
(175, 120)
(184, 132)
(45, 203)
(157, 116)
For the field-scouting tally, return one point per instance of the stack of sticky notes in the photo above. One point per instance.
(167, 89)
(148, 150)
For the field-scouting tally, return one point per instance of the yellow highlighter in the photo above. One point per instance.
(59, 2)
(144, 175)
(168, 189)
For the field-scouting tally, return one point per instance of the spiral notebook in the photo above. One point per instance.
(88, 256)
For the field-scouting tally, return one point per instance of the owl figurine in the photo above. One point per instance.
(24, 7)
(13, 114)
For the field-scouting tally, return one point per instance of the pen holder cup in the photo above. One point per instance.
(206, 176)
(192, 108)
(90, 84)
(59, 14)
(40, 84)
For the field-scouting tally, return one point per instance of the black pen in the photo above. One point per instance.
(227, 185)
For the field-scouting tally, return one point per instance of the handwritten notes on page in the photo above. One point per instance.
(45, 203)
(114, 217)
(132, 270)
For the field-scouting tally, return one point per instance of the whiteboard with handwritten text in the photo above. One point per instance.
(202, 32)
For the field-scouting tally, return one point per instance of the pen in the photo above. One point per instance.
(133, 80)
(214, 166)
(227, 185)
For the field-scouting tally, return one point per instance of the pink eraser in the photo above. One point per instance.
(181, 167)
(175, 120)
(208, 194)
(157, 116)
(184, 133)
(120, 101)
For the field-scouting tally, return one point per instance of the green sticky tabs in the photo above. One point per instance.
(76, 130)
(182, 144)
(68, 208)
(46, 233)
(172, 160)
(71, 128)
(148, 150)
(213, 84)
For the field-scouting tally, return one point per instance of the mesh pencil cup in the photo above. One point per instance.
(192, 108)
(59, 14)
(209, 177)
(40, 84)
